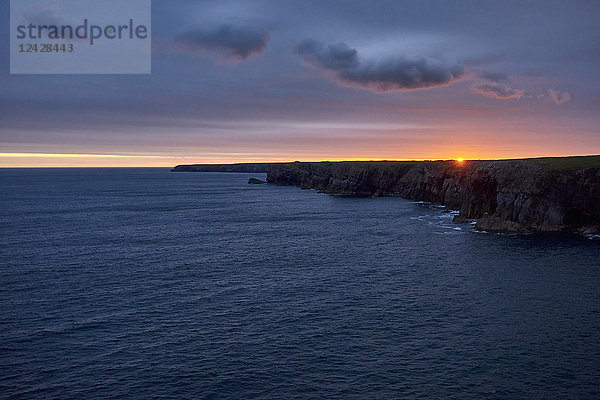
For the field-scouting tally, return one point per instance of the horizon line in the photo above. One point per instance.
(113, 156)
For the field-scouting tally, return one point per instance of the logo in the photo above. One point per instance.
(80, 37)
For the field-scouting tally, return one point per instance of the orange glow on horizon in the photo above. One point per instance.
(49, 160)
(468, 143)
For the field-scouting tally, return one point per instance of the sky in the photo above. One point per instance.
(259, 81)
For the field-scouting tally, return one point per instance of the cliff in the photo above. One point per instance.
(241, 167)
(551, 194)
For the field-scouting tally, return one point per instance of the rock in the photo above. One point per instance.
(494, 224)
(590, 230)
(457, 219)
(255, 181)
(241, 167)
(502, 196)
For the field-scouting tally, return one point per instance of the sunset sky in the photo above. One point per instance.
(250, 81)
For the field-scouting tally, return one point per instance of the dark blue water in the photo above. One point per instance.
(140, 283)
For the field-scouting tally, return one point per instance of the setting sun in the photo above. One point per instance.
(460, 160)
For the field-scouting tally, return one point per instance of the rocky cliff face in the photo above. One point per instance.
(241, 167)
(507, 196)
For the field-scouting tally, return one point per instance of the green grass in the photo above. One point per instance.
(381, 164)
(552, 163)
(567, 163)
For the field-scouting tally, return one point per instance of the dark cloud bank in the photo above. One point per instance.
(403, 73)
(239, 42)
(347, 68)
(385, 75)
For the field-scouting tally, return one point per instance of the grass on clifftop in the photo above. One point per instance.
(567, 163)
(379, 164)
(553, 163)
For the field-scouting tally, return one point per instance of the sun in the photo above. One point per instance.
(460, 160)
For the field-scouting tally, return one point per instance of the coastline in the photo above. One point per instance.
(559, 194)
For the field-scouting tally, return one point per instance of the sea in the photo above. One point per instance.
(148, 284)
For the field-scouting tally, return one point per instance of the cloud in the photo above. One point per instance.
(493, 76)
(559, 97)
(385, 75)
(497, 91)
(234, 41)
(333, 57)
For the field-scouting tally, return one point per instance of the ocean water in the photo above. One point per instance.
(141, 284)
